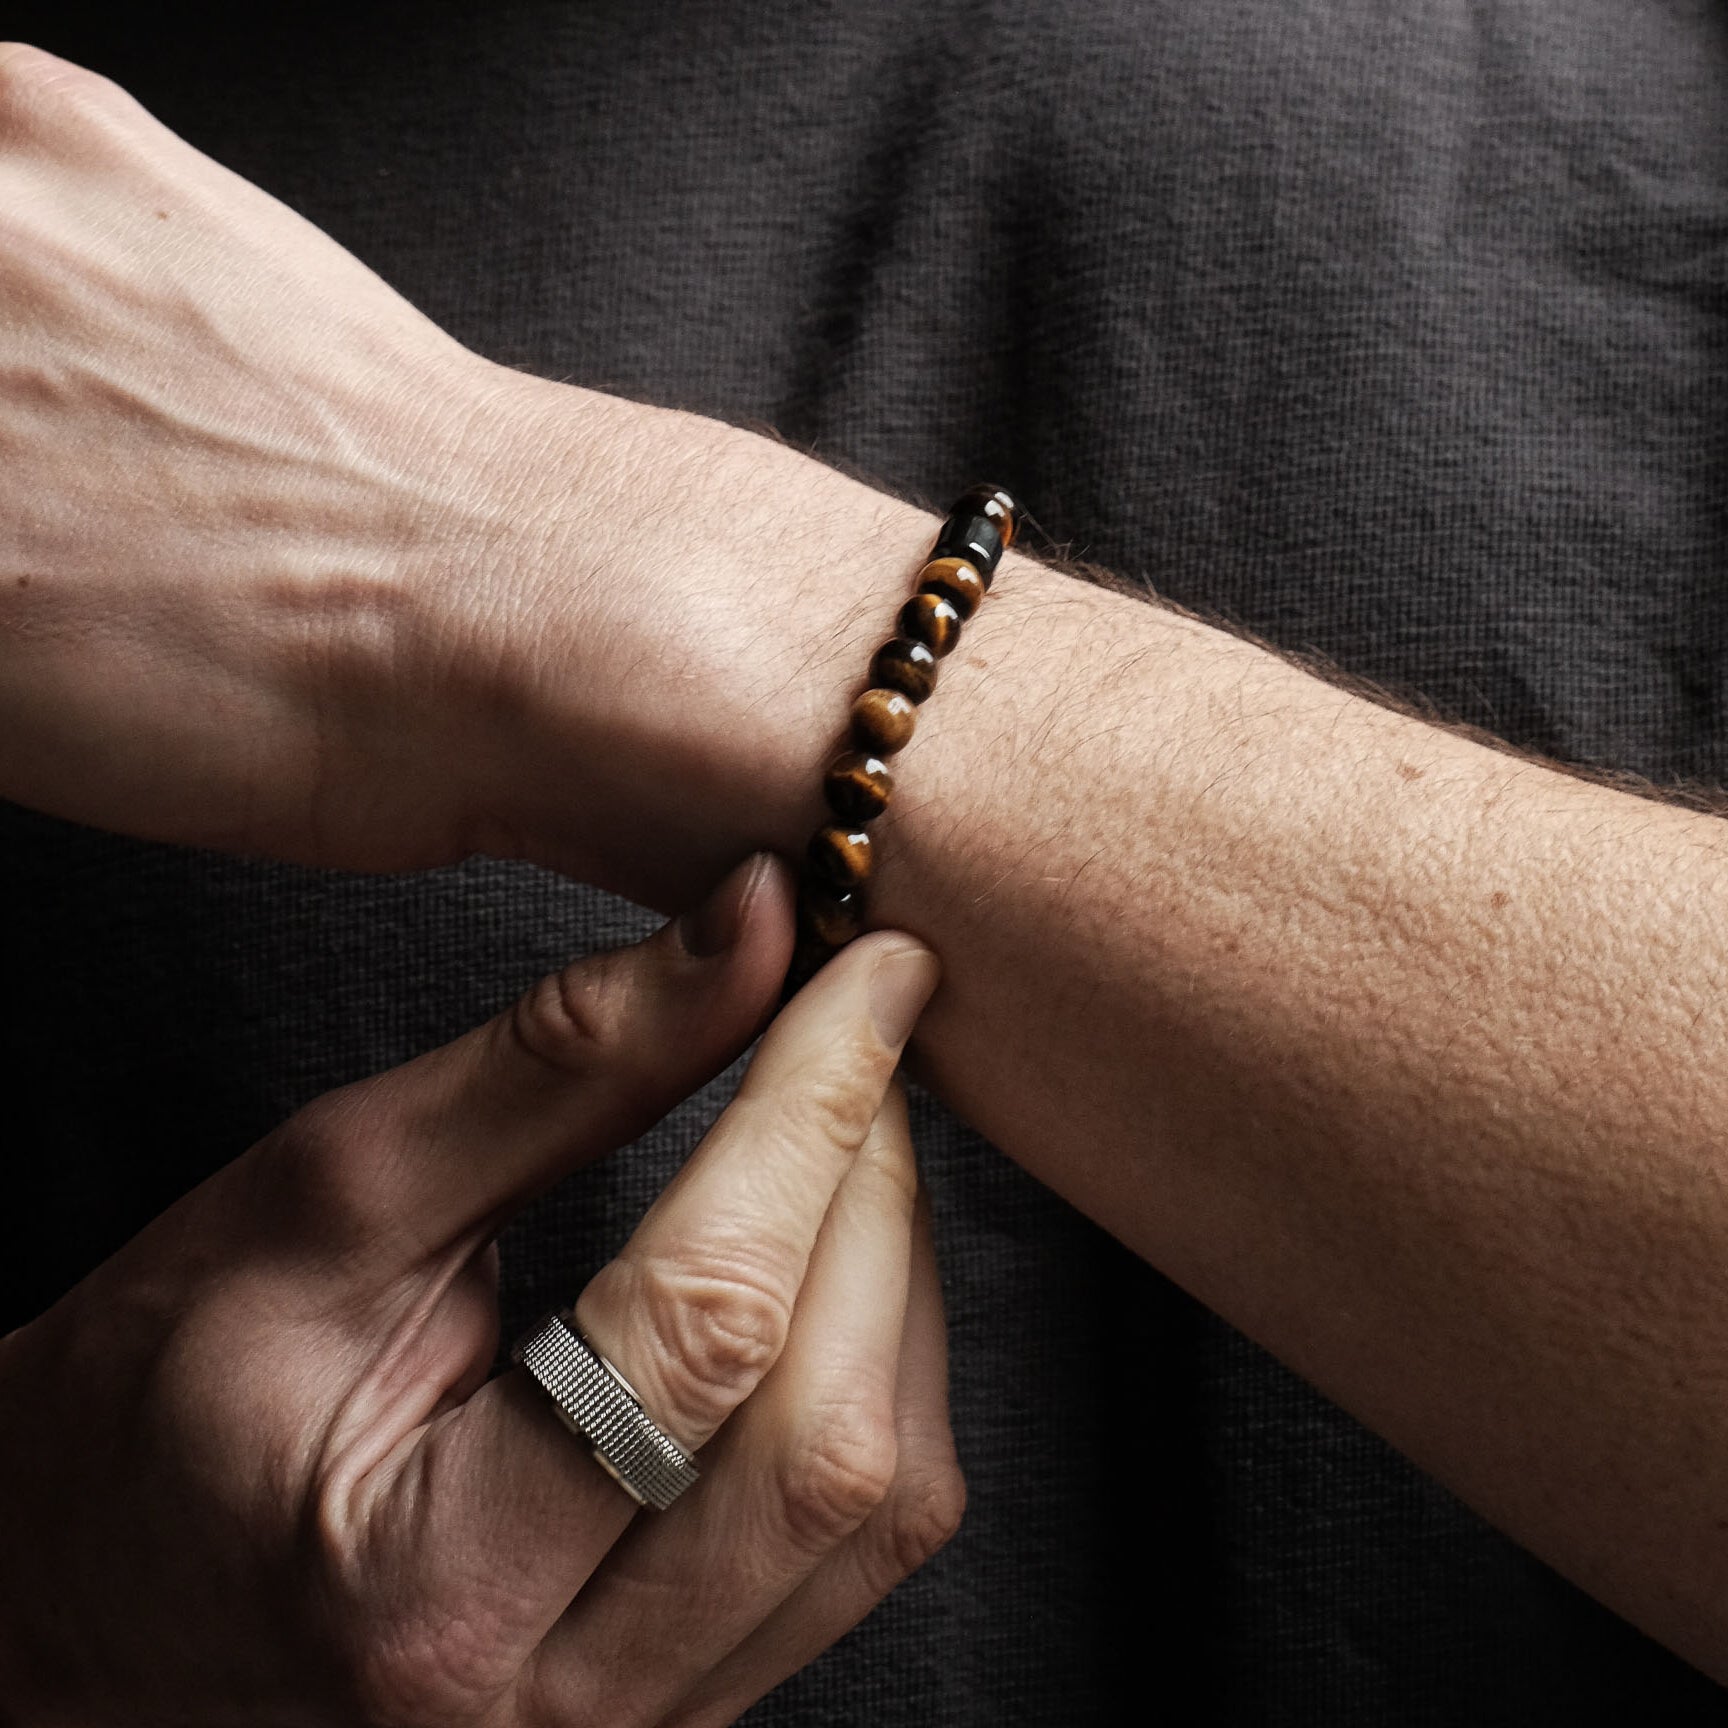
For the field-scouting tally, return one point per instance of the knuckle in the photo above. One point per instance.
(714, 1328)
(837, 1476)
(835, 1102)
(577, 1020)
(423, 1655)
(921, 1515)
(425, 1670)
(890, 1162)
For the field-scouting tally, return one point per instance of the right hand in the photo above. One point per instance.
(252, 1469)
(284, 569)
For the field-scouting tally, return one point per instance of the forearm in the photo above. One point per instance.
(1397, 1052)
(1393, 1049)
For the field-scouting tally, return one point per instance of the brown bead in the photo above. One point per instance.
(906, 666)
(882, 721)
(956, 581)
(858, 786)
(997, 503)
(840, 856)
(930, 619)
(829, 915)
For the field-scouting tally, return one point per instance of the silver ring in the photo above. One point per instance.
(599, 1405)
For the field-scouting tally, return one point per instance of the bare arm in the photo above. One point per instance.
(1401, 1053)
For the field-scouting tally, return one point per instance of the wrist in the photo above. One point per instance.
(671, 619)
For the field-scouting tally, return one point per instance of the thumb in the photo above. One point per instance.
(443, 1148)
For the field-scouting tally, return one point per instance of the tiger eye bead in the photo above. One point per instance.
(858, 786)
(974, 538)
(955, 581)
(828, 915)
(906, 666)
(840, 857)
(930, 619)
(995, 502)
(883, 721)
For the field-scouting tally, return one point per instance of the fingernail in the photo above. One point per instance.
(899, 987)
(716, 924)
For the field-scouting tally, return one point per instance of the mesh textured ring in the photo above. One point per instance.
(599, 1405)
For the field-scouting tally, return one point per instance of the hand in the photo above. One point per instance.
(284, 569)
(251, 1470)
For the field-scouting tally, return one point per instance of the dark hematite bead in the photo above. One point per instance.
(930, 619)
(996, 502)
(906, 666)
(840, 857)
(858, 786)
(956, 581)
(973, 538)
(830, 915)
(883, 721)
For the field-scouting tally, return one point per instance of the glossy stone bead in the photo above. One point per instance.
(906, 666)
(974, 538)
(858, 786)
(883, 721)
(930, 619)
(829, 915)
(996, 502)
(956, 581)
(840, 856)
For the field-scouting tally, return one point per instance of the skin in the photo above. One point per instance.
(1393, 1048)
(255, 1470)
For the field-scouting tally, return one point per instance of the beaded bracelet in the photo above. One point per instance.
(858, 783)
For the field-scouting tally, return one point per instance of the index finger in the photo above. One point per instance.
(697, 1307)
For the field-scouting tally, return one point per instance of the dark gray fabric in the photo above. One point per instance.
(1395, 330)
